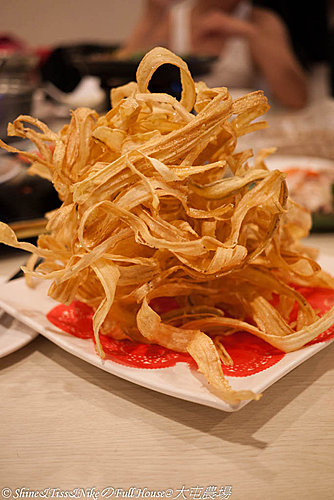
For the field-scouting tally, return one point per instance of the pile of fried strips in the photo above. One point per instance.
(156, 202)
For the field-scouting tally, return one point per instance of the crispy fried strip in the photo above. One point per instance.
(157, 57)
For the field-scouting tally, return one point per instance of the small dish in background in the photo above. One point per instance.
(13, 333)
(311, 184)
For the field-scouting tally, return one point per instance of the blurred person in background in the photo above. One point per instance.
(309, 27)
(252, 44)
(307, 24)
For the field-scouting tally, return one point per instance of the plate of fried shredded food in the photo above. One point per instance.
(174, 260)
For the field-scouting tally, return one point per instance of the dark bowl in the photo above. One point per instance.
(66, 66)
(114, 72)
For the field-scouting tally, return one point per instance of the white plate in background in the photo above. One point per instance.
(284, 162)
(13, 333)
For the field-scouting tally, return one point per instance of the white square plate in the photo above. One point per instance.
(30, 306)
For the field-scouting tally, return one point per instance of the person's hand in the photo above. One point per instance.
(216, 26)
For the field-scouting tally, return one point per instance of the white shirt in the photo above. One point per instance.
(234, 67)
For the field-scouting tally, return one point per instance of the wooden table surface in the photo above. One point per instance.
(66, 424)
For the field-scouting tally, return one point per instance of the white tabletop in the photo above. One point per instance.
(65, 424)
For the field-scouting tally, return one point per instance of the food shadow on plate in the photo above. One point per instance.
(238, 427)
